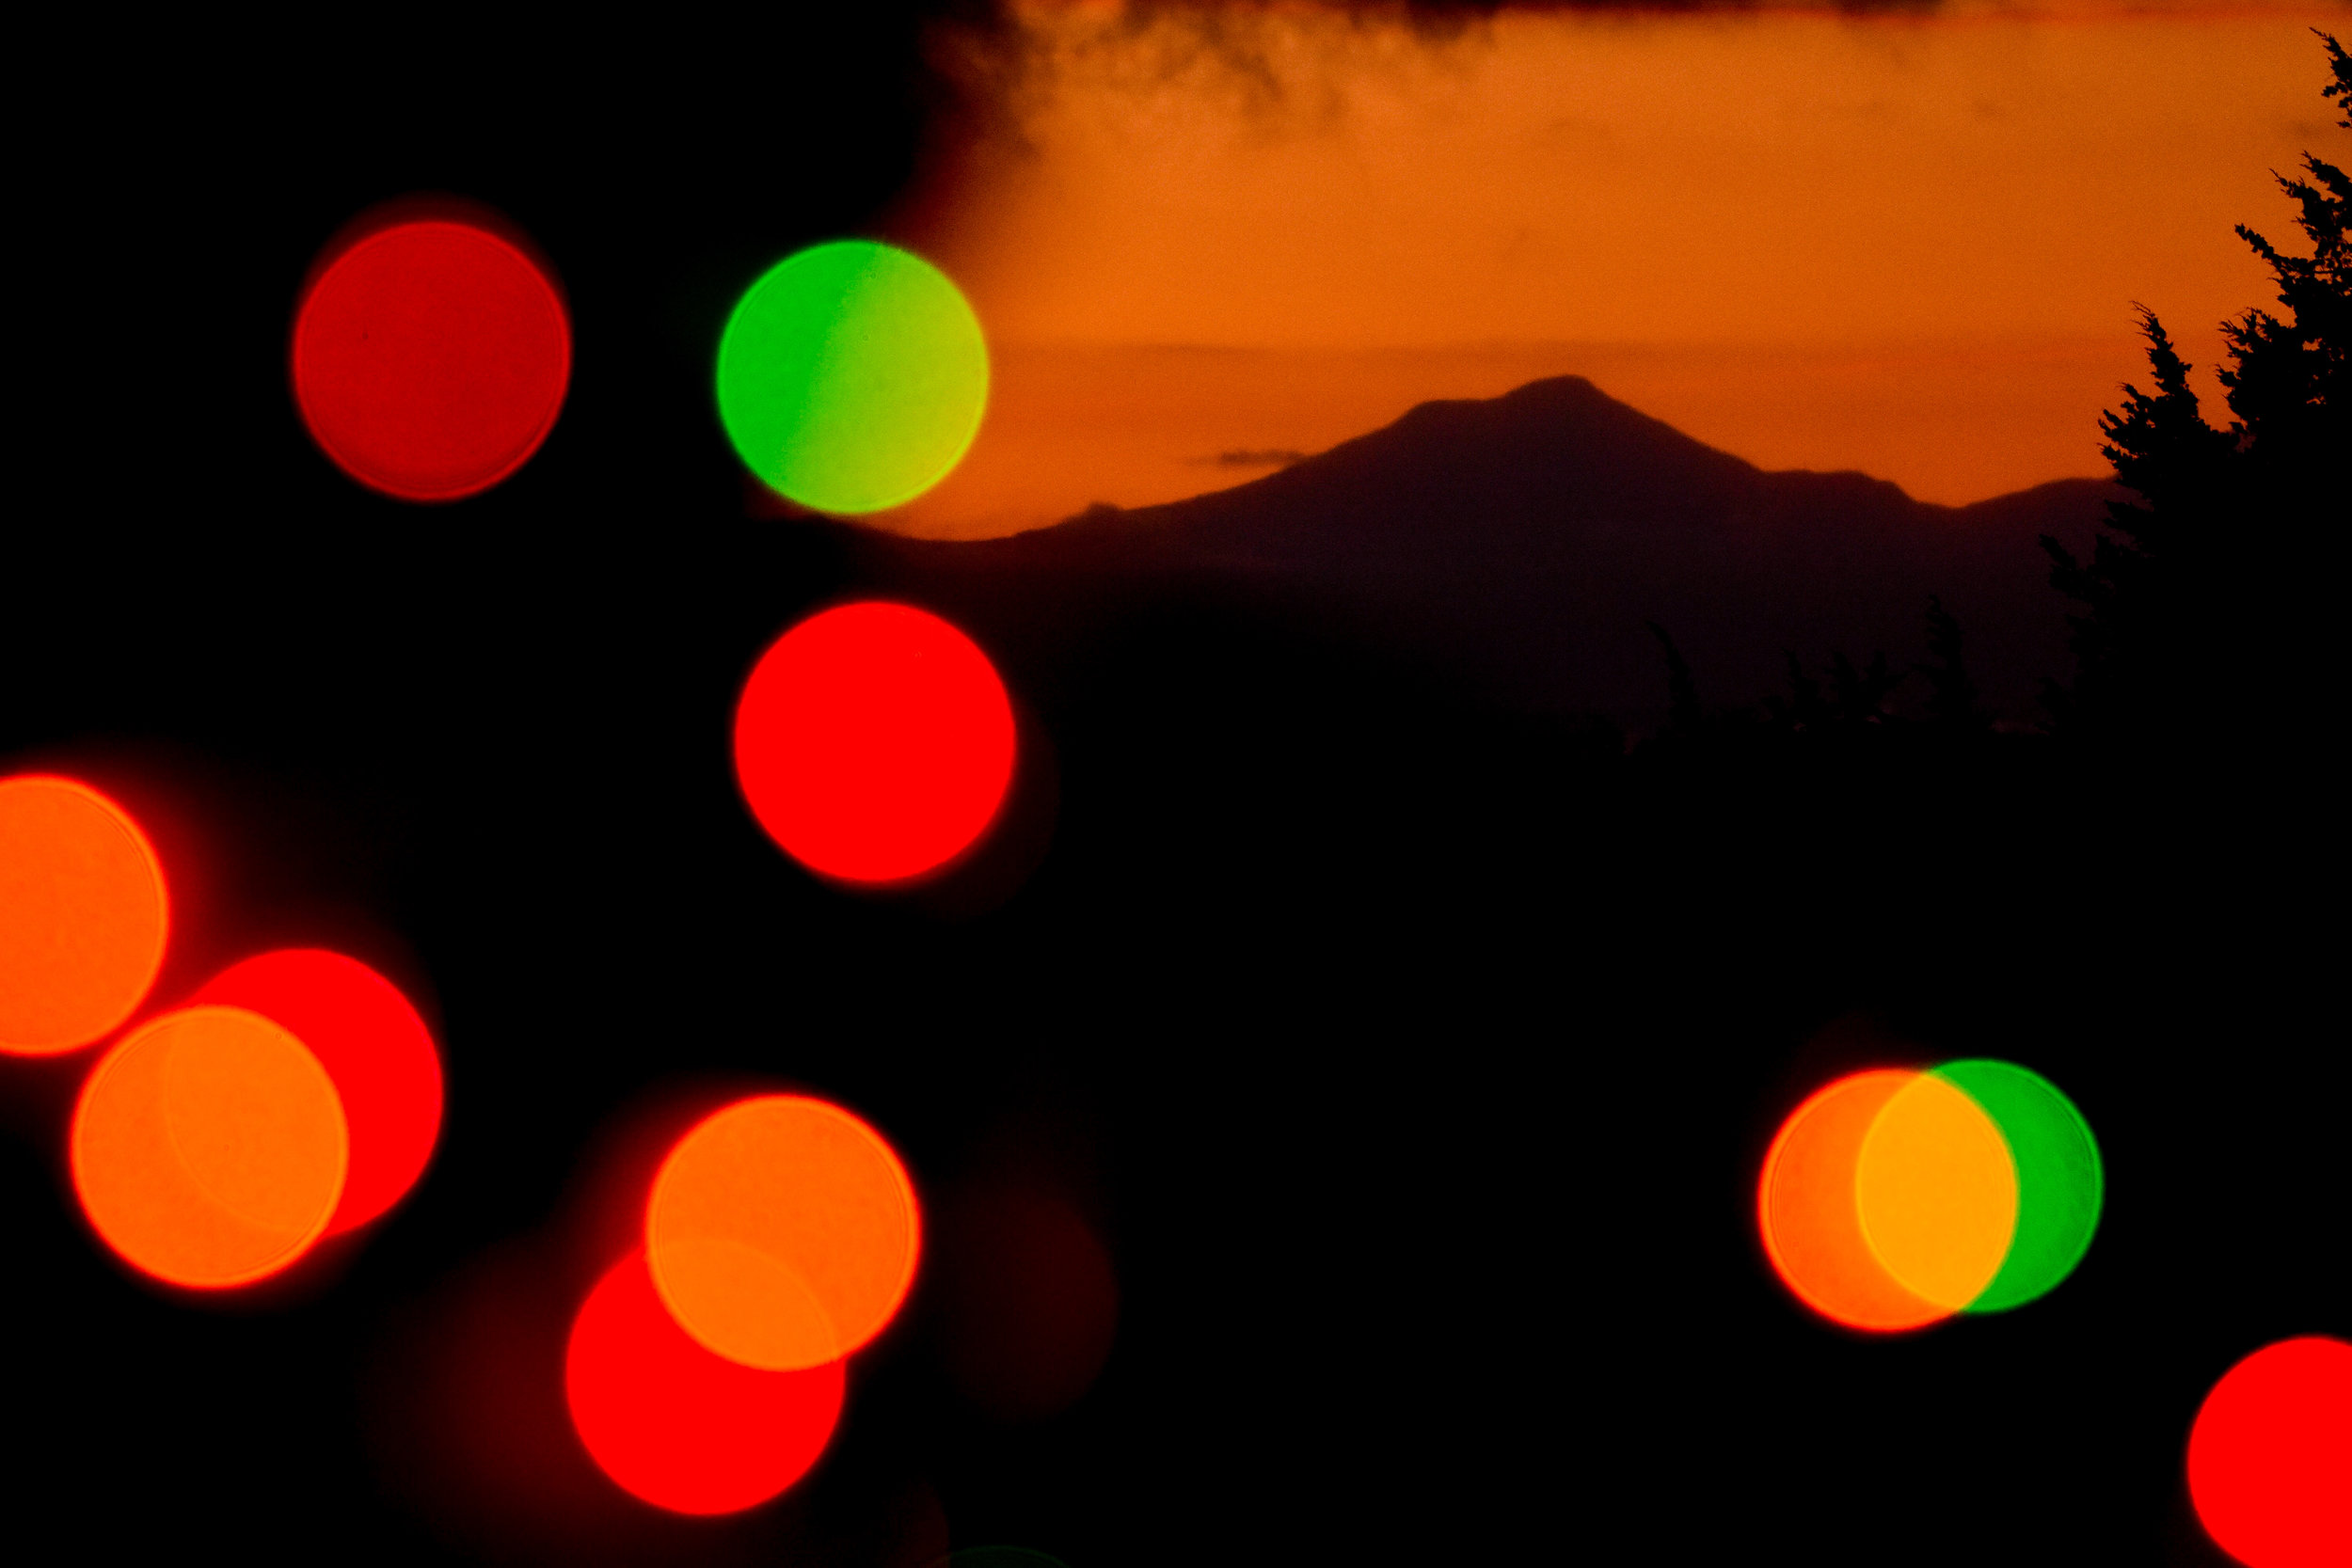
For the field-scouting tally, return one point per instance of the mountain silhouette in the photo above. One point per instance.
(1520, 545)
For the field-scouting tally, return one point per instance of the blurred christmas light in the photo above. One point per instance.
(83, 915)
(2061, 1185)
(208, 1149)
(852, 377)
(782, 1232)
(1027, 1300)
(1810, 1222)
(1936, 1192)
(430, 352)
(2270, 1456)
(874, 742)
(373, 1046)
(1892, 1198)
(678, 1426)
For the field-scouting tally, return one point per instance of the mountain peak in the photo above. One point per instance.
(1561, 437)
(1529, 539)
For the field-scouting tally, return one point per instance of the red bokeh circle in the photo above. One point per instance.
(678, 1426)
(874, 742)
(373, 1046)
(2270, 1457)
(430, 357)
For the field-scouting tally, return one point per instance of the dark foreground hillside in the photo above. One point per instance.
(1412, 1049)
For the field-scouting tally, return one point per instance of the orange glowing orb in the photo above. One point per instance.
(1811, 1221)
(208, 1149)
(2270, 1457)
(83, 915)
(874, 742)
(678, 1426)
(781, 1232)
(373, 1045)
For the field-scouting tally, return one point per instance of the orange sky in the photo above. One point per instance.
(1901, 244)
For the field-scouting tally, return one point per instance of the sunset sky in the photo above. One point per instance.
(1908, 245)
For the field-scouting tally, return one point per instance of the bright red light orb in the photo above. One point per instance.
(430, 358)
(874, 742)
(678, 1426)
(2270, 1457)
(375, 1047)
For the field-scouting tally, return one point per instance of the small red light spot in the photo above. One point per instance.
(430, 357)
(1029, 1302)
(874, 742)
(2270, 1457)
(375, 1047)
(676, 1425)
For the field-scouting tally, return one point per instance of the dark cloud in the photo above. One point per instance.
(987, 65)
(982, 53)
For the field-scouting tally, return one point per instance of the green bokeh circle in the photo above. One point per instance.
(852, 377)
(2060, 1183)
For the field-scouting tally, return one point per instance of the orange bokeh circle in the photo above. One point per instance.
(781, 1232)
(1807, 1215)
(83, 915)
(208, 1149)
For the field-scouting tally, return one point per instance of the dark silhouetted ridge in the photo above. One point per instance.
(1521, 543)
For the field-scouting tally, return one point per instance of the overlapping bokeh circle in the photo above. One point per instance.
(676, 1425)
(294, 1096)
(373, 1046)
(210, 1148)
(705, 1369)
(1893, 1199)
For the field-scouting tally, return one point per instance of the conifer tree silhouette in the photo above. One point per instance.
(1803, 711)
(2194, 601)
(2140, 586)
(1862, 693)
(1952, 704)
(2287, 380)
(1684, 714)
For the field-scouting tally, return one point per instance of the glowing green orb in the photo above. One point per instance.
(2060, 1182)
(852, 377)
